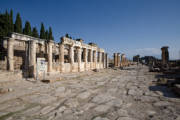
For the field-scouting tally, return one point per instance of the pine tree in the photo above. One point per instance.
(27, 28)
(42, 32)
(46, 35)
(35, 32)
(18, 24)
(50, 36)
(11, 21)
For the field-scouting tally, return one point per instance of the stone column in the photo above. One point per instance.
(104, 60)
(79, 59)
(91, 58)
(50, 44)
(95, 59)
(85, 58)
(10, 54)
(61, 57)
(122, 60)
(118, 59)
(71, 54)
(165, 55)
(115, 59)
(32, 60)
(107, 62)
(100, 59)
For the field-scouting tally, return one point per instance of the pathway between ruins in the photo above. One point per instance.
(110, 94)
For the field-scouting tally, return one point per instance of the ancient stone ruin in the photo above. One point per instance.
(26, 53)
(120, 60)
(165, 55)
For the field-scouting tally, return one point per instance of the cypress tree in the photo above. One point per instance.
(50, 36)
(35, 32)
(27, 28)
(18, 24)
(46, 35)
(42, 32)
(2, 24)
(11, 21)
(7, 23)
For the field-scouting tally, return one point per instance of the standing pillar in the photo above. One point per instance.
(50, 56)
(32, 60)
(118, 59)
(91, 58)
(107, 62)
(165, 55)
(71, 53)
(79, 59)
(100, 60)
(61, 57)
(95, 59)
(115, 59)
(104, 60)
(11, 54)
(85, 58)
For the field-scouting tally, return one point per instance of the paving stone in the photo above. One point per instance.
(60, 89)
(161, 103)
(122, 113)
(46, 110)
(84, 95)
(126, 118)
(115, 103)
(87, 106)
(32, 111)
(100, 118)
(102, 108)
(72, 103)
(102, 98)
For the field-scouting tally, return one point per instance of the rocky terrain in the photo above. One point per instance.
(108, 94)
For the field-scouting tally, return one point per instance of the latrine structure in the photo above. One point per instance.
(21, 52)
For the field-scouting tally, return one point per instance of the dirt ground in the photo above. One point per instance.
(110, 94)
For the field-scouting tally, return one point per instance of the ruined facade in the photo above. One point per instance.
(21, 52)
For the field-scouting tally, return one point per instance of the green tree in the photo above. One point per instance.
(27, 28)
(7, 23)
(2, 24)
(35, 32)
(11, 21)
(46, 35)
(50, 36)
(18, 24)
(42, 32)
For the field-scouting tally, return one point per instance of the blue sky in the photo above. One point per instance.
(126, 26)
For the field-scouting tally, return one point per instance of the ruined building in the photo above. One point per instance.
(32, 55)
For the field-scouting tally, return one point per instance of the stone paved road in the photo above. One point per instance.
(106, 95)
